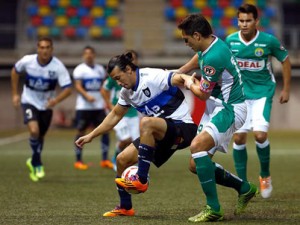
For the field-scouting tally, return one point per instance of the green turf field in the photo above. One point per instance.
(68, 196)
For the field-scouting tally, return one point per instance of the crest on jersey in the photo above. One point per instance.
(147, 92)
(259, 52)
(209, 71)
(205, 84)
(51, 74)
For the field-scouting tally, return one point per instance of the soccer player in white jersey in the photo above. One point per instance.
(90, 105)
(221, 87)
(42, 73)
(166, 127)
(253, 50)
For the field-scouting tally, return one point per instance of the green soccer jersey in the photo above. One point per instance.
(254, 60)
(111, 85)
(220, 73)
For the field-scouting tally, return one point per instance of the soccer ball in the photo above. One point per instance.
(127, 173)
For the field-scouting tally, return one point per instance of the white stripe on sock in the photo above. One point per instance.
(262, 145)
(199, 154)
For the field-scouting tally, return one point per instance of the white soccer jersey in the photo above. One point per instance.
(92, 79)
(41, 80)
(153, 95)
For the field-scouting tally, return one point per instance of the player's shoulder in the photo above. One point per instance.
(232, 37)
(267, 37)
(57, 61)
(29, 58)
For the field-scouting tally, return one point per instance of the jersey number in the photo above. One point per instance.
(28, 113)
(154, 111)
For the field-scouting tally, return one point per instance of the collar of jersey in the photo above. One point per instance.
(42, 65)
(137, 80)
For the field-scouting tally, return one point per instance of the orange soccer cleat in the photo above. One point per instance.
(106, 164)
(132, 185)
(80, 165)
(118, 211)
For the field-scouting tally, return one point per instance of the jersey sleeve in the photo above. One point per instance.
(21, 64)
(77, 75)
(123, 99)
(277, 49)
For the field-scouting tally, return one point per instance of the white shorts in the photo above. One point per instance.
(221, 123)
(258, 115)
(128, 127)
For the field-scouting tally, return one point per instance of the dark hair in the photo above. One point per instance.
(248, 8)
(89, 48)
(195, 23)
(132, 52)
(48, 39)
(121, 61)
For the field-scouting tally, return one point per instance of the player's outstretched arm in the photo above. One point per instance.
(107, 124)
(286, 74)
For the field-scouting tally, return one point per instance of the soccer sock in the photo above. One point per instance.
(145, 159)
(227, 179)
(263, 151)
(125, 197)
(240, 158)
(78, 151)
(105, 146)
(35, 145)
(206, 174)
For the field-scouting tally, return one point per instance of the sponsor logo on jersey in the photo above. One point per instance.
(251, 65)
(259, 52)
(282, 48)
(259, 45)
(147, 92)
(209, 71)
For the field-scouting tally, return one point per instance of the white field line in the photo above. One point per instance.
(13, 139)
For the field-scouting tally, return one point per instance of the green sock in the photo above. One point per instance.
(240, 158)
(263, 152)
(206, 174)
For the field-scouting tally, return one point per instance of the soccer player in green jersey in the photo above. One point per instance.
(253, 50)
(221, 87)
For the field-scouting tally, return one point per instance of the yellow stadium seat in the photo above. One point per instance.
(230, 12)
(112, 3)
(64, 3)
(97, 12)
(44, 10)
(43, 31)
(112, 21)
(230, 30)
(95, 32)
(200, 3)
(61, 21)
(177, 33)
(181, 12)
(253, 2)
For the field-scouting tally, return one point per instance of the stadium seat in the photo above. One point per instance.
(226, 22)
(43, 31)
(43, 2)
(230, 30)
(81, 32)
(71, 11)
(32, 10)
(181, 12)
(36, 21)
(70, 32)
(100, 21)
(55, 32)
(95, 32)
(200, 4)
(176, 3)
(230, 12)
(223, 3)
(82, 11)
(97, 12)
(112, 3)
(59, 11)
(64, 3)
(44, 10)
(112, 21)
(170, 13)
(100, 3)
(48, 21)
(75, 3)
(106, 32)
(74, 21)
(218, 13)
(87, 3)
(53, 3)
(207, 11)
(188, 3)
(61, 21)
(31, 32)
(86, 21)
(117, 32)
(108, 12)
(212, 3)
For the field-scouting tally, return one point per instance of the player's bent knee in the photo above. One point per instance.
(260, 137)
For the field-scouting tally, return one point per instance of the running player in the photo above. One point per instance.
(42, 71)
(166, 127)
(90, 107)
(127, 129)
(253, 50)
(225, 112)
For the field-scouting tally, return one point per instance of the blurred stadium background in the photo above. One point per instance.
(148, 26)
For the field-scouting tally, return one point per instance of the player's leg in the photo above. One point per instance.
(128, 157)
(240, 156)
(82, 123)
(97, 117)
(261, 122)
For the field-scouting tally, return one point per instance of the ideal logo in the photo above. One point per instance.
(251, 65)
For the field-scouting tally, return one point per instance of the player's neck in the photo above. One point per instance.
(249, 37)
(207, 42)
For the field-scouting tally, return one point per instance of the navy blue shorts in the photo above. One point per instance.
(86, 118)
(179, 135)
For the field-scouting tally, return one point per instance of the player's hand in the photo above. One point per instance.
(51, 103)
(284, 97)
(83, 140)
(189, 81)
(90, 98)
(16, 101)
